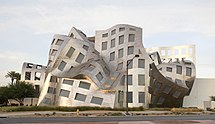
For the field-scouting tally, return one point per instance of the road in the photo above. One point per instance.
(7, 120)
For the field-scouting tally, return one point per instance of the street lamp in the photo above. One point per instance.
(128, 62)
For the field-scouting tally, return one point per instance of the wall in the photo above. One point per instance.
(202, 89)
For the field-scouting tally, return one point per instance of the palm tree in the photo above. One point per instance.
(13, 75)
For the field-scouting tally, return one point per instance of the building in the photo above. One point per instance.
(94, 71)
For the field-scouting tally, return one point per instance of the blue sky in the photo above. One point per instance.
(27, 27)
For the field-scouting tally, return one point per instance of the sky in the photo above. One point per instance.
(28, 26)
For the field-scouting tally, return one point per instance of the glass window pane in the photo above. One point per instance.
(176, 94)
(104, 45)
(119, 66)
(188, 71)
(62, 66)
(167, 89)
(53, 79)
(113, 32)
(178, 69)
(64, 93)
(105, 35)
(90, 67)
(69, 82)
(80, 97)
(112, 43)
(96, 100)
(80, 58)
(141, 96)
(70, 52)
(169, 69)
(130, 50)
(85, 47)
(121, 39)
(130, 66)
(84, 85)
(59, 42)
(120, 53)
(112, 56)
(99, 76)
(121, 29)
(131, 38)
(141, 79)
(141, 63)
(129, 79)
(130, 97)
(27, 75)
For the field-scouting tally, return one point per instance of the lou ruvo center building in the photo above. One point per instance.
(94, 71)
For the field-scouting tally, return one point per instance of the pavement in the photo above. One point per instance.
(104, 117)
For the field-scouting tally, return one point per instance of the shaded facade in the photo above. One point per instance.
(92, 71)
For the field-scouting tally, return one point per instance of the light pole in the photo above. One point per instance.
(128, 62)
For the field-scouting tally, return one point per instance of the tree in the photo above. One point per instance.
(13, 75)
(3, 95)
(21, 90)
(212, 98)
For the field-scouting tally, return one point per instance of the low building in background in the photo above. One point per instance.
(92, 71)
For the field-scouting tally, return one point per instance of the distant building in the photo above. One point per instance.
(92, 71)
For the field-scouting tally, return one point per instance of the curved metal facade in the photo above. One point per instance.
(85, 71)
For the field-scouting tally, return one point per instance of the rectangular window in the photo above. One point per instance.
(131, 38)
(69, 82)
(129, 79)
(29, 65)
(112, 56)
(27, 75)
(51, 90)
(80, 97)
(130, 50)
(53, 79)
(85, 47)
(70, 52)
(84, 85)
(188, 71)
(141, 63)
(121, 39)
(141, 79)
(104, 45)
(37, 76)
(47, 101)
(99, 76)
(178, 69)
(64, 93)
(119, 66)
(112, 43)
(141, 96)
(37, 89)
(121, 29)
(62, 66)
(113, 32)
(176, 94)
(39, 67)
(120, 53)
(59, 42)
(105, 35)
(54, 51)
(130, 64)
(96, 100)
(167, 89)
(130, 97)
(169, 69)
(90, 67)
(80, 58)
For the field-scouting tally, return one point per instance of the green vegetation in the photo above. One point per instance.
(17, 91)
(182, 110)
(66, 109)
(212, 98)
(13, 75)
